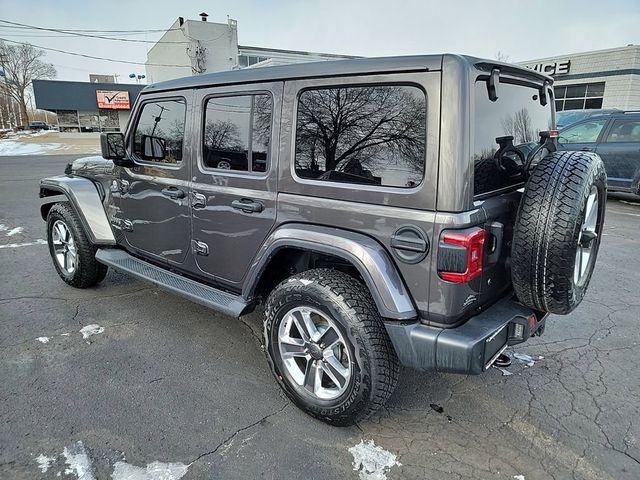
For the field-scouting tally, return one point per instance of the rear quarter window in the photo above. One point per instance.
(368, 135)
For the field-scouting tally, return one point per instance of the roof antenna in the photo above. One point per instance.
(203, 16)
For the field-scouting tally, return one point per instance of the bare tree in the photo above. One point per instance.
(222, 135)
(502, 57)
(22, 64)
(338, 126)
(519, 127)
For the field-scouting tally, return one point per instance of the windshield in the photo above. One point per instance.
(516, 113)
(564, 119)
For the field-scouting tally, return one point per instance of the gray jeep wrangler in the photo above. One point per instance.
(408, 210)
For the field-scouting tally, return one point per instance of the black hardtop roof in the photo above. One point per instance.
(332, 68)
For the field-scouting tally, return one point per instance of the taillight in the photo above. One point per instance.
(466, 245)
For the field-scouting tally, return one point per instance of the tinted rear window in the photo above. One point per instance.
(517, 112)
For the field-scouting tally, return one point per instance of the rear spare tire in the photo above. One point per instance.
(558, 230)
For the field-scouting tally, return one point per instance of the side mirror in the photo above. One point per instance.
(112, 145)
(153, 148)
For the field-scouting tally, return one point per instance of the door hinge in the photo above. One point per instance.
(199, 248)
(198, 200)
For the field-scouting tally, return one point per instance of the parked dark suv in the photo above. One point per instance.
(616, 138)
(379, 209)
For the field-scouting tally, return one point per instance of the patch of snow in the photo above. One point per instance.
(92, 329)
(44, 462)
(371, 461)
(12, 147)
(519, 477)
(78, 461)
(65, 334)
(153, 471)
(505, 372)
(305, 282)
(3, 227)
(26, 244)
(524, 358)
(14, 231)
(43, 339)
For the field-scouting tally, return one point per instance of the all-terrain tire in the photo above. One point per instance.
(88, 271)
(349, 304)
(548, 229)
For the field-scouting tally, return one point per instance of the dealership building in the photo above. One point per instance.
(87, 106)
(598, 79)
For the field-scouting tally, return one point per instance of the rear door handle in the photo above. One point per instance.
(247, 205)
(173, 192)
(588, 149)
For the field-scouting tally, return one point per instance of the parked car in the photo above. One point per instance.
(569, 117)
(37, 125)
(616, 139)
(384, 229)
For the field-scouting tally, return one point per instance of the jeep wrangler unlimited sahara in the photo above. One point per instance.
(408, 210)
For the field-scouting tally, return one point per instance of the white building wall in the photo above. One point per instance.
(168, 54)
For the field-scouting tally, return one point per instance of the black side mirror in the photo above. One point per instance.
(153, 148)
(112, 145)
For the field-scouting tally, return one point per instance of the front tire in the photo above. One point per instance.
(328, 348)
(74, 257)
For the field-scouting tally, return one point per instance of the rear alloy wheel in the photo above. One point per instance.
(327, 346)
(314, 353)
(74, 257)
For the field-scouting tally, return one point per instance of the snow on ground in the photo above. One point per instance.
(12, 147)
(47, 143)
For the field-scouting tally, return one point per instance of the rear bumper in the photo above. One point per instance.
(470, 348)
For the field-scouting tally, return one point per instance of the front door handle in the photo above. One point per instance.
(173, 192)
(588, 149)
(247, 205)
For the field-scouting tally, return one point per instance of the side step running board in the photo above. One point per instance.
(223, 302)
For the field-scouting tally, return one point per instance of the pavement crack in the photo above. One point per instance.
(230, 438)
(253, 333)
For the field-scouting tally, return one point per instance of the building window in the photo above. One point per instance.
(370, 135)
(160, 130)
(248, 60)
(237, 129)
(579, 97)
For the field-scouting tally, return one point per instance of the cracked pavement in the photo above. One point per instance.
(171, 381)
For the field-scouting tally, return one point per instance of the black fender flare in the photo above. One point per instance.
(367, 255)
(85, 198)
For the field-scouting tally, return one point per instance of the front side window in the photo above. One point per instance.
(624, 131)
(370, 135)
(587, 132)
(159, 134)
(237, 132)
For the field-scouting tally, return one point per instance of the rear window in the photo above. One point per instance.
(518, 113)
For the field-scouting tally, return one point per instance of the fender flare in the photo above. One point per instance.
(85, 198)
(367, 255)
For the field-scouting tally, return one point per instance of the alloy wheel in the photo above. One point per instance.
(64, 247)
(588, 237)
(314, 353)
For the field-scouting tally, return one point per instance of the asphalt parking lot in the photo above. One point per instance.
(170, 381)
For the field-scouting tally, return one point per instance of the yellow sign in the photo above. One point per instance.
(113, 99)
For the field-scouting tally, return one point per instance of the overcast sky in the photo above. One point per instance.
(522, 30)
